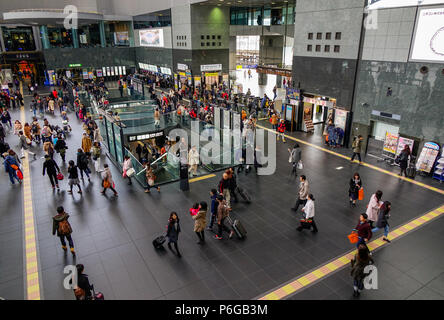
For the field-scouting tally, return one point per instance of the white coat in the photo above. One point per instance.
(309, 209)
(373, 208)
(193, 157)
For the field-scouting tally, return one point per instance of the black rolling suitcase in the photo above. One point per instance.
(238, 228)
(244, 194)
(158, 242)
(411, 172)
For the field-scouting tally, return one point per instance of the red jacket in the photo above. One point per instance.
(364, 230)
(281, 127)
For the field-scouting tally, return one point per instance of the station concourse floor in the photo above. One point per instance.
(113, 236)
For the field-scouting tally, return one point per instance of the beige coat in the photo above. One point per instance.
(86, 144)
(200, 221)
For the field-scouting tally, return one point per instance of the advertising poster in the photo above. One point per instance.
(308, 111)
(390, 143)
(120, 70)
(108, 72)
(83, 39)
(124, 70)
(197, 81)
(151, 38)
(402, 143)
(99, 72)
(429, 36)
(427, 157)
(90, 75)
(292, 94)
(289, 112)
(5, 76)
(51, 77)
(68, 74)
(121, 38)
(104, 71)
(340, 118)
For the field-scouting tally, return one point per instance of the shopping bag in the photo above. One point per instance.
(353, 237)
(300, 165)
(361, 194)
(19, 174)
(60, 176)
(130, 172)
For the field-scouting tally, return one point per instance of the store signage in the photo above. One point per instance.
(165, 70)
(210, 67)
(294, 102)
(315, 101)
(276, 71)
(145, 136)
(181, 66)
(431, 145)
(211, 74)
(75, 65)
(292, 94)
(182, 74)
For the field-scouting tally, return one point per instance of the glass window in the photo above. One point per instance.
(318, 48)
(328, 36)
(60, 37)
(319, 36)
(309, 47)
(89, 36)
(267, 17)
(338, 36)
(337, 48)
(117, 34)
(276, 16)
(18, 39)
(327, 48)
(310, 36)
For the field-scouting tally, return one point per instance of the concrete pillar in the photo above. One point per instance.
(37, 39)
(102, 34)
(75, 38)
(2, 42)
(45, 39)
(131, 34)
(279, 81)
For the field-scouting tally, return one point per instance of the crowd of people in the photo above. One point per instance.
(50, 134)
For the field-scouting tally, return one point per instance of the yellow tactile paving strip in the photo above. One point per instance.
(343, 261)
(32, 280)
(208, 176)
(363, 163)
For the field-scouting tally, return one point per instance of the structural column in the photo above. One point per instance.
(45, 39)
(102, 34)
(75, 38)
(131, 34)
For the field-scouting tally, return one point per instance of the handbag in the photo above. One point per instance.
(106, 183)
(306, 223)
(300, 165)
(60, 176)
(353, 237)
(361, 194)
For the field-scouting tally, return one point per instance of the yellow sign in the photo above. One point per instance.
(182, 74)
(211, 74)
(239, 67)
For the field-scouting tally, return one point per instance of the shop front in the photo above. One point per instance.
(29, 66)
(211, 74)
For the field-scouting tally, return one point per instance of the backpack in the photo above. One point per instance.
(64, 227)
(34, 128)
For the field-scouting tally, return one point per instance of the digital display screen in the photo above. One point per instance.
(428, 43)
(151, 38)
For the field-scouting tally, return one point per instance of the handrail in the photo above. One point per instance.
(161, 157)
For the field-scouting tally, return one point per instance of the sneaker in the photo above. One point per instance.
(217, 237)
(147, 191)
(64, 248)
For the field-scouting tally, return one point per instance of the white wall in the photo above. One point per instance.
(324, 16)
(390, 41)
